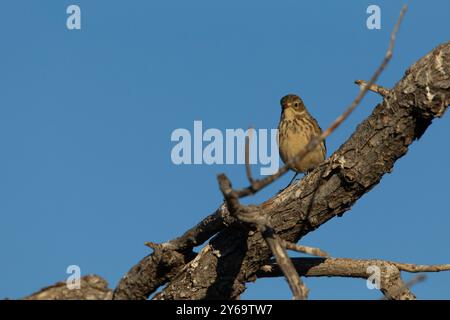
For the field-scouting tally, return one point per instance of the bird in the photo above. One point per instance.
(296, 129)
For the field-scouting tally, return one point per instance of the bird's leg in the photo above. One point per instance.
(295, 176)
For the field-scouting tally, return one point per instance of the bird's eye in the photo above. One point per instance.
(296, 104)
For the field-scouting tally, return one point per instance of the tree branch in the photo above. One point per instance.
(304, 249)
(392, 286)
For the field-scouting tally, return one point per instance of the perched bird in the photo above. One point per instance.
(296, 128)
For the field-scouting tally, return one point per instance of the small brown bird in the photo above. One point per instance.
(296, 128)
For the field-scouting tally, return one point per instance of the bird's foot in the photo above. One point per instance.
(292, 180)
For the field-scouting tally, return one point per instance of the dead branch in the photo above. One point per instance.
(392, 286)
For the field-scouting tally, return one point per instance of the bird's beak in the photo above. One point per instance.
(285, 106)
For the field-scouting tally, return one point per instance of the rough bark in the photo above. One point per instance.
(151, 272)
(92, 287)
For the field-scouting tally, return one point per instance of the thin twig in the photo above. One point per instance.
(384, 92)
(248, 170)
(413, 268)
(259, 184)
(304, 249)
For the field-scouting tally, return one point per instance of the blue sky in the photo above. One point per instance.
(86, 118)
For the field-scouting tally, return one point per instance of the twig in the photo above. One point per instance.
(384, 92)
(372, 80)
(259, 184)
(413, 268)
(248, 170)
(304, 249)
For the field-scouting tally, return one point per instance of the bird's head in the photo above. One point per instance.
(292, 102)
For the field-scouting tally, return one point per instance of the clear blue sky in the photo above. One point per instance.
(86, 118)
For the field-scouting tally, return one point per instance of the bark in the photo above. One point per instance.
(92, 287)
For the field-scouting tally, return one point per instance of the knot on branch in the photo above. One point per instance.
(168, 255)
(427, 83)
